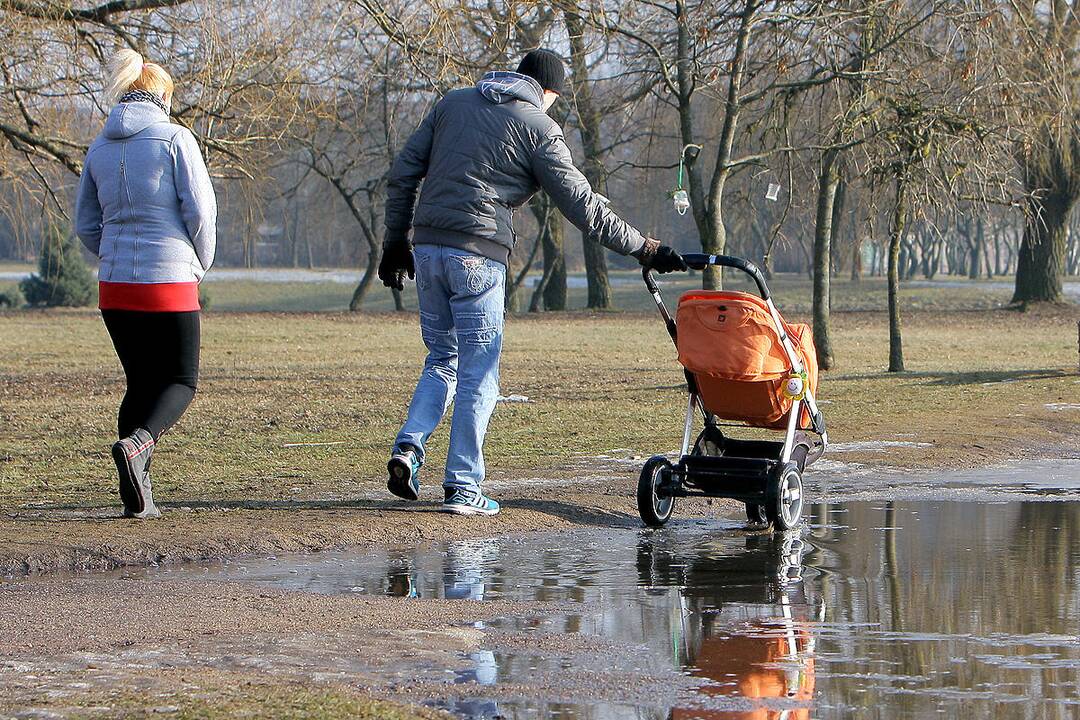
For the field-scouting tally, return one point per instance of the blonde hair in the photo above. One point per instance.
(128, 71)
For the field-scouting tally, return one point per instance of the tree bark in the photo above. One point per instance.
(706, 204)
(1041, 262)
(896, 234)
(589, 119)
(828, 185)
(550, 292)
(975, 265)
(370, 272)
(715, 239)
(555, 256)
(514, 282)
(368, 226)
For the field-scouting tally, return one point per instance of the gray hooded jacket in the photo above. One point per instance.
(482, 152)
(145, 204)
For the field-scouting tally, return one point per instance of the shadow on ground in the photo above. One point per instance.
(975, 377)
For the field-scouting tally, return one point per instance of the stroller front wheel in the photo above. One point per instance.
(654, 502)
(784, 508)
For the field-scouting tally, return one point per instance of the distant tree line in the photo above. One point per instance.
(906, 139)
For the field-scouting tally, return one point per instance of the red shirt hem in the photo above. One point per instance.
(149, 297)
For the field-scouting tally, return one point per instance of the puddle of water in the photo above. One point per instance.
(831, 480)
(878, 609)
(874, 445)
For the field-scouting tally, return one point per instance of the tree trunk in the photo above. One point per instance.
(555, 255)
(828, 184)
(368, 227)
(977, 240)
(1041, 261)
(856, 260)
(514, 282)
(307, 247)
(370, 273)
(707, 207)
(589, 119)
(596, 275)
(550, 292)
(896, 234)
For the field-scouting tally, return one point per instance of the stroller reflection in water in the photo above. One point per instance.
(746, 628)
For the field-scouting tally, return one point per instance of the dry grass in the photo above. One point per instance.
(977, 390)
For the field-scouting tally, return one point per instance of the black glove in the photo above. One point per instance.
(661, 258)
(396, 263)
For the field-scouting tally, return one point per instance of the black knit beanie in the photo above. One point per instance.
(545, 67)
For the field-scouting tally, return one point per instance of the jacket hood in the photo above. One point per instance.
(127, 119)
(503, 86)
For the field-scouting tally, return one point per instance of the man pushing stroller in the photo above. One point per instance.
(481, 152)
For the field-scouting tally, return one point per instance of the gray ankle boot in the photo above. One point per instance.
(132, 457)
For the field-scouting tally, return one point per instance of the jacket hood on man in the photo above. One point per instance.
(131, 118)
(503, 86)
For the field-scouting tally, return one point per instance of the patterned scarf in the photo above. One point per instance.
(144, 96)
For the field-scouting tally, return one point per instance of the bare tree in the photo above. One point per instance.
(1044, 36)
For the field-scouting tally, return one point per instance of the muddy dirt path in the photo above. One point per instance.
(906, 592)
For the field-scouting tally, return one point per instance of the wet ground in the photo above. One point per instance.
(958, 595)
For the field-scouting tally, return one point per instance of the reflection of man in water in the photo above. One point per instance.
(465, 567)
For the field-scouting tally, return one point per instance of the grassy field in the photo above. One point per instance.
(979, 387)
(226, 696)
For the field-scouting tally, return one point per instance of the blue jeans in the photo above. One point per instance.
(461, 321)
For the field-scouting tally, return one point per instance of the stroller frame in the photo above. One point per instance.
(765, 475)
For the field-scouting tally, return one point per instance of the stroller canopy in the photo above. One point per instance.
(731, 345)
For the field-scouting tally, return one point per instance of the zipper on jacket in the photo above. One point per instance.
(131, 211)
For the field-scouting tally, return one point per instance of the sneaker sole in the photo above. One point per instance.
(467, 510)
(147, 514)
(400, 486)
(130, 492)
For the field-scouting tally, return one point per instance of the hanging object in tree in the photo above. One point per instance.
(681, 201)
(679, 197)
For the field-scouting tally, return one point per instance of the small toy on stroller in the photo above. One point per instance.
(745, 364)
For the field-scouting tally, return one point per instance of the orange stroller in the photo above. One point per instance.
(743, 364)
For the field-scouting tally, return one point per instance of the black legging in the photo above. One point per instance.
(160, 355)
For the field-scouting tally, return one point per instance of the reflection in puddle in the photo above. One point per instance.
(877, 609)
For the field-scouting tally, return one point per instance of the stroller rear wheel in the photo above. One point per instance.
(654, 501)
(785, 501)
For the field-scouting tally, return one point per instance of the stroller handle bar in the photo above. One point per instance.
(699, 261)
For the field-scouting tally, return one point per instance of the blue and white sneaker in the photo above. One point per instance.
(404, 471)
(466, 501)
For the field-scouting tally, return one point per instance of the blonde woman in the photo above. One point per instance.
(147, 209)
